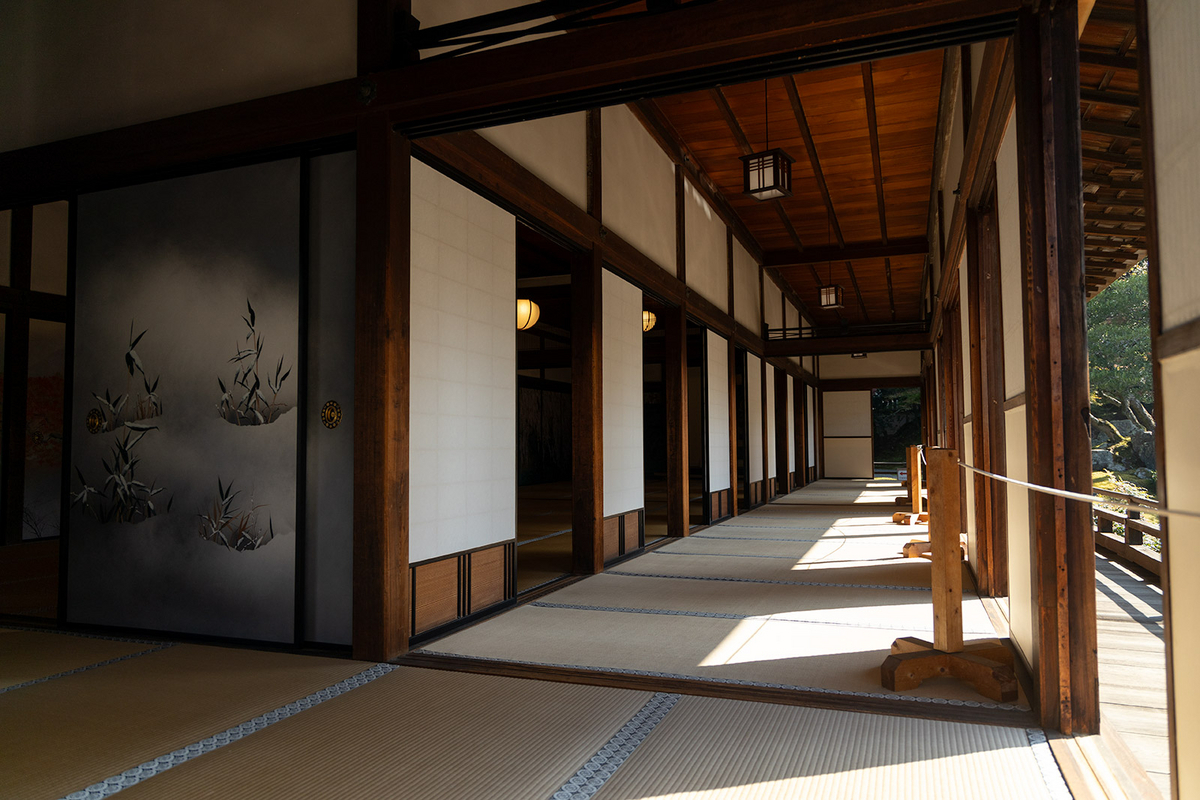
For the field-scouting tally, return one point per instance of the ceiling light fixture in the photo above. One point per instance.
(767, 175)
(831, 295)
(527, 314)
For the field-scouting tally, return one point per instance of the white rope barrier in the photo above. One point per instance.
(1086, 498)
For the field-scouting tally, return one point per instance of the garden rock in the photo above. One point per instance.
(1142, 445)
(1102, 459)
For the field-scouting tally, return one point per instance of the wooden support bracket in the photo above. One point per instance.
(985, 664)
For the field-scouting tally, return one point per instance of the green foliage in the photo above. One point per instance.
(896, 422)
(1119, 339)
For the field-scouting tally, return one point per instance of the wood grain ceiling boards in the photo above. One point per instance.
(1114, 196)
(851, 185)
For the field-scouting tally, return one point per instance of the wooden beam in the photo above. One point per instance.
(384, 35)
(840, 345)
(735, 128)
(873, 132)
(810, 147)
(858, 294)
(887, 269)
(734, 478)
(382, 622)
(587, 414)
(1101, 216)
(1115, 159)
(866, 384)
(595, 165)
(1115, 129)
(523, 80)
(1109, 182)
(1055, 333)
(1107, 60)
(1108, 98)
(914, 246)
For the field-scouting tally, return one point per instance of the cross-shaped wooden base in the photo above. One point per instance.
(986, 664)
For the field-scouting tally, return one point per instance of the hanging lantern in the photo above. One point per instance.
(648, 320)
(527, 314)
(831, 297)
(767, 175)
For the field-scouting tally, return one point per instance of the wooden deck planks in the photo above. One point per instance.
(1132, 656)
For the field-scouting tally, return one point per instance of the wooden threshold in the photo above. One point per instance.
(699, 687)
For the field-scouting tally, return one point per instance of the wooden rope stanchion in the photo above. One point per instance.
(915, 497)
(986, 664)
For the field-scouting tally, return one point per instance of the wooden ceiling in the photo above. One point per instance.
(863, 140)
(1113, 179)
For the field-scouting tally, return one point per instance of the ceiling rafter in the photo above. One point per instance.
(873, 131)
(914, 246)
(789, 83)
(854, 282)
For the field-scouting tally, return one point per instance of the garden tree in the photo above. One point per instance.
(1119, 346)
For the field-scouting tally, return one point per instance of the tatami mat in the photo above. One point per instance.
(751, 751)
(913, 572)
(793, 654)
(414, 733)
(63, 735)
(845, 492)
(832, 605)
(29, 655)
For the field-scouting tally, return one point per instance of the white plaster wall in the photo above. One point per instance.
(809, 363)
(706, 252)
(1008, 209)
(772, 303)
(848, 458)
(810, 420)
(745, 289)
(791, 319)
(847, 414)
(718, 412)
(1022, 600)
(624, 475)
(70, 67)
(769, 388)
(638, 186)
(329, 499)
(1175, 71)
(754, 418)
(1181, 386)
(463, 414)
(554, 149)
(876, 365)
(791, 412)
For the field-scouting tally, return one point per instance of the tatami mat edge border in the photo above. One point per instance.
(616, 751)
(1056, 784)
(130, 777)
(87, 667)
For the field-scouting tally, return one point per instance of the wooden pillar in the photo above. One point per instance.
(674, 323)
(914, 480)
(782, 475)
(986, 328)
(944, 499)
(587, 415)
(16, 365)
(1056, 372)
(382, 617)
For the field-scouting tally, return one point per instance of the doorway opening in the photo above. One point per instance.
(544, 380)
(895, 426)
